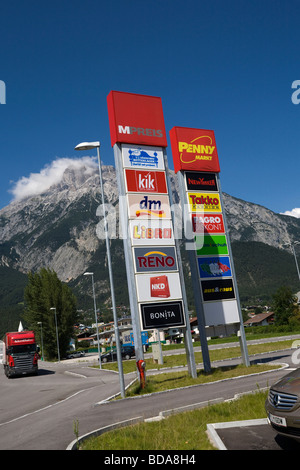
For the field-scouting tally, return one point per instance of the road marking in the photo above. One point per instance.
(45, 408)
(68, 372)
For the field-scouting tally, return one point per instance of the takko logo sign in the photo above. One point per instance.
(204, 202)
(194, 149)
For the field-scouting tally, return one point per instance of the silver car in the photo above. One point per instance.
(283, 405)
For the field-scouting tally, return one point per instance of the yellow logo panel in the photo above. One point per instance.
(204, 202)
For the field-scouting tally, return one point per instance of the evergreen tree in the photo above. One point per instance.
(284, 305)
(44, 291)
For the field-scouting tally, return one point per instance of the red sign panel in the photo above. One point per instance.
(194, 149)
(136, 119)
(208, 223)
(146, 181)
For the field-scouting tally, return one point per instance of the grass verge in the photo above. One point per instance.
(185, 431)
(215, 355)
(171, 380)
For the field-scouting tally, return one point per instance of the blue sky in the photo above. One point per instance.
(222, 65)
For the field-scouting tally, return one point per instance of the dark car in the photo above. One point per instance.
(126, 351)
(283, 405)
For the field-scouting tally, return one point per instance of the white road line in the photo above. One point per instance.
(45, 408)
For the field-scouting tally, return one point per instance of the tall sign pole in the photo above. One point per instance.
(214, 282)
(154, 272)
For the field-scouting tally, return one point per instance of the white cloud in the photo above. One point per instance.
(294, 213)
(36, 183)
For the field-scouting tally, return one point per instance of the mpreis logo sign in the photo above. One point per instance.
(136, 119)
(194, 149)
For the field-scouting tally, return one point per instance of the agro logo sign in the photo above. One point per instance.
(211, 245)
(148, 206)
(162, 315)
(135, 156)
(214, 267)
(208, 223)
(194, 149)
(151, 259)
(136, 119)
(146, 181)
(201, 181)
(199, 202)
(217, 289)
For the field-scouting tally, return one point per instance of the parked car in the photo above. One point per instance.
(126, 351)
(76, 354)
(283, 405)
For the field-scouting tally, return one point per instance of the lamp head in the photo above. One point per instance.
(87, 145)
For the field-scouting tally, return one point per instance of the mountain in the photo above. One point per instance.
(61, 228)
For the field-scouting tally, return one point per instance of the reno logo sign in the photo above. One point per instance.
(194, 149)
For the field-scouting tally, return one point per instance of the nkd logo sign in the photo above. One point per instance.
(152, 287)
(153, 260)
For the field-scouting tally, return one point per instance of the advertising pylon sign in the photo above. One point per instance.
(153, 264)
(196, 163)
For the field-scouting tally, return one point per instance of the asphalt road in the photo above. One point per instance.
(38, 413)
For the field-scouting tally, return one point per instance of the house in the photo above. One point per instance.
(261, 319)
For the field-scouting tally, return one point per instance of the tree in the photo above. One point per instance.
(44, 291)
(284, 305)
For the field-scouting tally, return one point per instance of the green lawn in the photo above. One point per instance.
(185, 431)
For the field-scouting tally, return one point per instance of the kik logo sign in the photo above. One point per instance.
(146, 181)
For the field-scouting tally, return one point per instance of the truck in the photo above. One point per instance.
(20, 354)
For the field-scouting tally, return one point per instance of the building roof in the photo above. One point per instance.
(259, 318)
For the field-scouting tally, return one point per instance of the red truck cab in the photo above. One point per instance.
(20, 355)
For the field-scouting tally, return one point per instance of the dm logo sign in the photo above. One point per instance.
(135, 156)
(149, 206)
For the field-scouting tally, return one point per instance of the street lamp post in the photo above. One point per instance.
(54, 308)
(89, 146)
(96, 319)
(41, 323)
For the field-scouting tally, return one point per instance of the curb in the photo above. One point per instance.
(97, 432)
(213, 427)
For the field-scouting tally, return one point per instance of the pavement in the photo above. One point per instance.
(254, 434)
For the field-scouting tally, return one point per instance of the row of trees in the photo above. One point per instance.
(43, 292)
